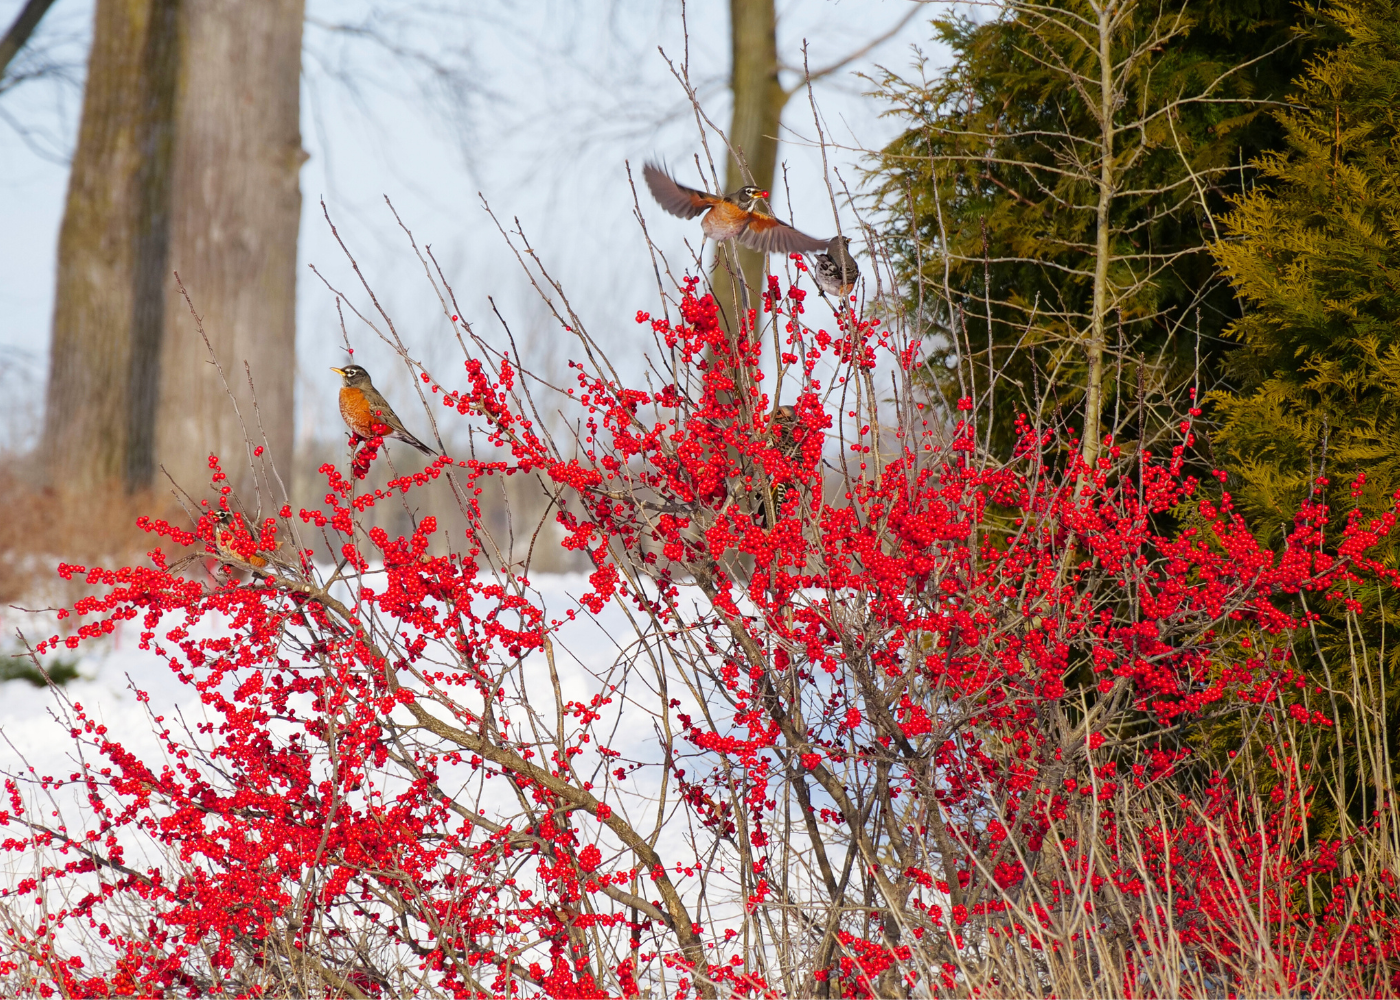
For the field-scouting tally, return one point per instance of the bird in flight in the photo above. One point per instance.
(836, 272)
(729, 217)
(363, 408)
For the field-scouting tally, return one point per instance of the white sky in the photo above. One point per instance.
(534, 103)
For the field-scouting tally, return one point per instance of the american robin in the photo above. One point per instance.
(836, 272)
(257, 562)
(729, 217)
(363, 407)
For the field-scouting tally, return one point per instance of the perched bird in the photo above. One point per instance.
(729, 217)
(836, 272)
(362, 407)
(781, 424)
(257, 562)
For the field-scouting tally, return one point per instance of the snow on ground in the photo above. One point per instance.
(110, 672)
(592, 652)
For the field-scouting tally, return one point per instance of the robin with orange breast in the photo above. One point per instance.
(363, 408)
(836, 272)
(226, 533)
(729, 217)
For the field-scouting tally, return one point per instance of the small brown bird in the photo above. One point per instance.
(729, 217)
(257, 562)
(782, 423)
(836, 272)
(363, 407)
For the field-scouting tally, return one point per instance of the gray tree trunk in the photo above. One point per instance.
(236, 206)
(111, 252)
(759, 99)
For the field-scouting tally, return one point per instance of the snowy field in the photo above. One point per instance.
(589, 652)
(593, 653)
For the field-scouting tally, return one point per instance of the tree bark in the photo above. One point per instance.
(111, 250)
(1107, 182)
(759, 99)
(236, 206)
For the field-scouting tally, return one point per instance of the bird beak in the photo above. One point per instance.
(338, 371)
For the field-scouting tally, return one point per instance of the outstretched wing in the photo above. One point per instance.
(675, 198)
(767, 235)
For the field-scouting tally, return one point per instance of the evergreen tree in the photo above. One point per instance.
(1314, 251)
(1314, 254)
(1079, 234)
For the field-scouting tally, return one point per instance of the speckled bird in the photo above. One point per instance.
(836, 272)
(256, 562)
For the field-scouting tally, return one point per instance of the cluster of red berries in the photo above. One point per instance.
(948, 667)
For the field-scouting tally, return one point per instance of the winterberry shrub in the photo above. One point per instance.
(886, 717)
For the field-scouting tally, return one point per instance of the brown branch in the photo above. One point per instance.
(20, 30)
(846, 60)
(679, 917)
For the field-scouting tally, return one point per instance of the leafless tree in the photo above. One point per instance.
(759, 96)
(1103, 74)
(20, 29)
(187, 158)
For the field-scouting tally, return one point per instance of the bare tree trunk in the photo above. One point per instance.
(1108, 13)
(111, 251)
(233, 239)
(759, 99)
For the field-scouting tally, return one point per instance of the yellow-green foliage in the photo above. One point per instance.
(1314, 251)
(1314, 254)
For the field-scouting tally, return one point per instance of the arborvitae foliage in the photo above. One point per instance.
(1314, 253)
(1001, 164)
